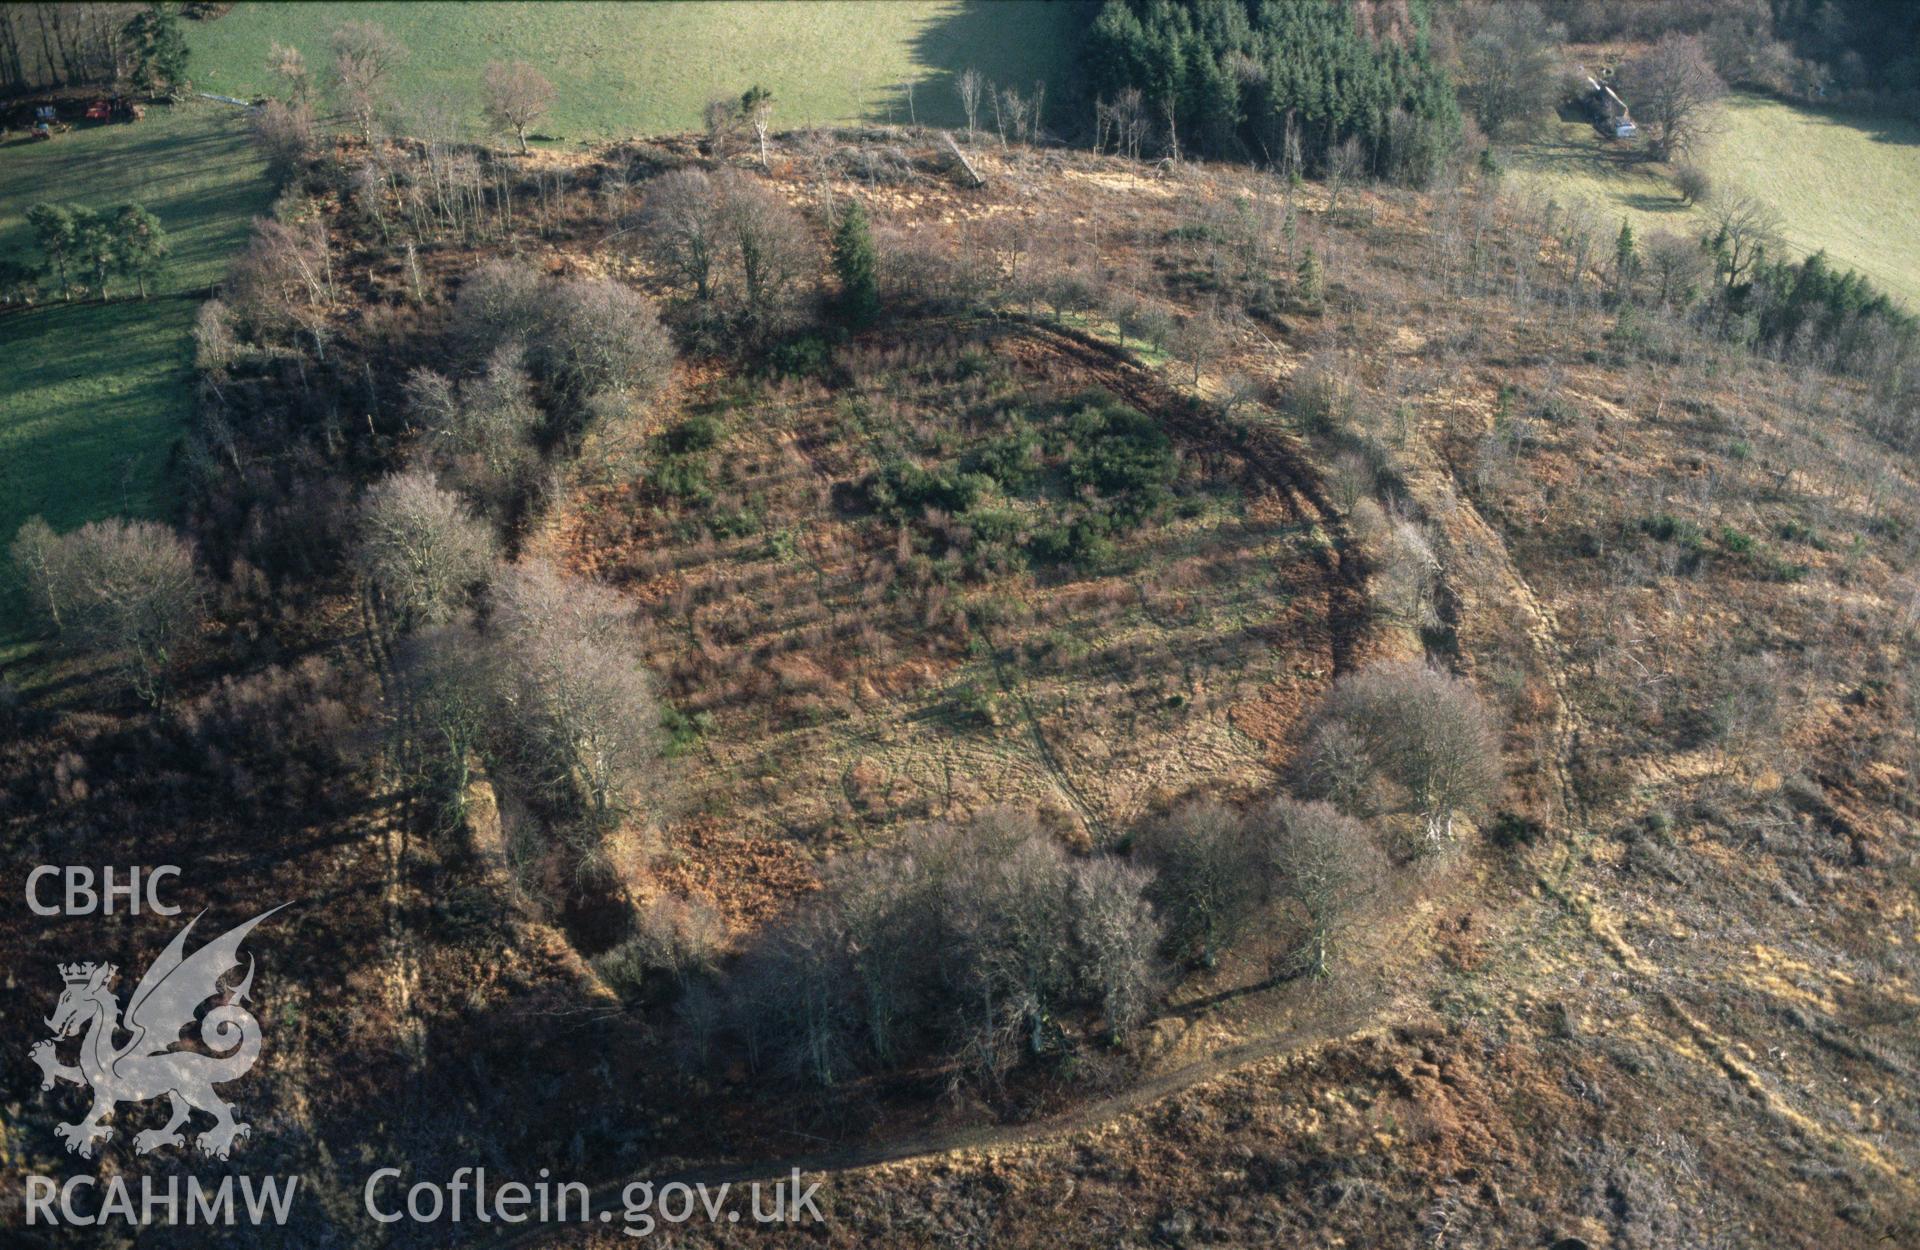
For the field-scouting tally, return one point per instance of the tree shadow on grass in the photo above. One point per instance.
(1650, 203)
(1879, 127)
(100, 391)
(1013, 43)
(1583, 155)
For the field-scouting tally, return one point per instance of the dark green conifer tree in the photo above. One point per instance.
(854, 261)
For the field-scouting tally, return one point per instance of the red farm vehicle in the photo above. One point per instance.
(118, 109)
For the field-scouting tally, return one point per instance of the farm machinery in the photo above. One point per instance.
(118, 109)
(46, 123)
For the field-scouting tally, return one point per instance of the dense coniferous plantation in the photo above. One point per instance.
(1231, 80)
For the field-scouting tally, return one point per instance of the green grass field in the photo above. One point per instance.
(95, 394)
(626, 69)
(1847, 184)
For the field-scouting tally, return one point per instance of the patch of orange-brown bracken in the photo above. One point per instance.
(748, 881)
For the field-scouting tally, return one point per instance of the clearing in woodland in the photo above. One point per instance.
(1844, 182)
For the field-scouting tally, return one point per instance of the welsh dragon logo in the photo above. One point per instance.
(147, 1065)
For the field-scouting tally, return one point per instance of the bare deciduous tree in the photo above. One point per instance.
(126, 589)
(1746, 711)
(790, 1000)
(1326, 862)
(1130, 115)
(969, 84)
(601, 337)
(44, 568)
(580, 711)
(1678, 268)
(514, 97)
(1012, 113)
(1208, 879)
(215, 346)
(588, 339)
(1672, 88)
(433, 402)
(1123, 122)
(1007, 237)
(1407, 583)
(1236, 389)
(675, 942)
(487, 435)
(1198, 339)
(1512, 61)
(1114, 936)
(757, 107)
(284, 278)
(772, 246)
(1006, 917)
(447, 681)
(1293, 160)
(1333, 766)
(878, 903)
(288, 66)
(681, 226)
(368, 188)
(722, 118)
(365, 56)
(284, 133)
(1744, 230)
(420, 549)
(1694, 183)
(498, 303)
(1422, 733)
(1345, 162)
(979, 937)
